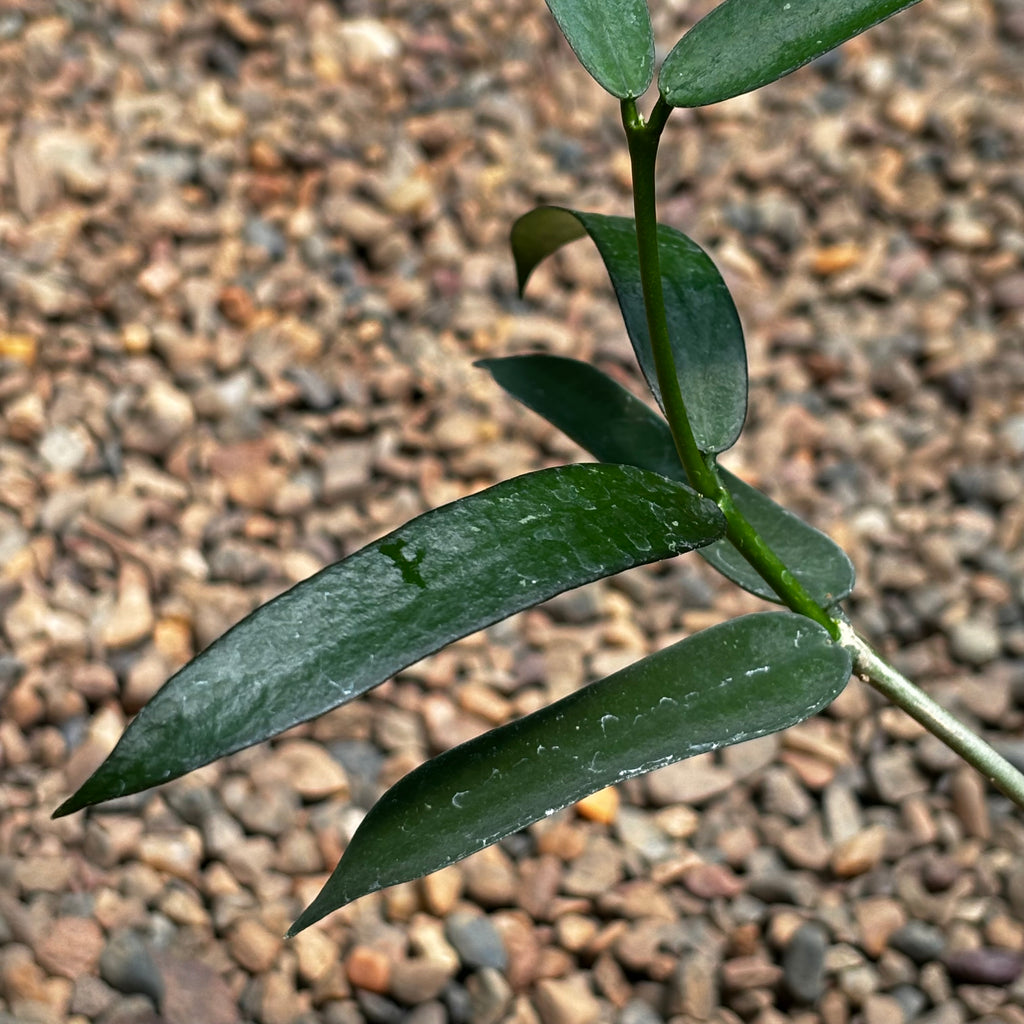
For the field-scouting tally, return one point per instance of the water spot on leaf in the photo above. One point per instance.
(409, 567)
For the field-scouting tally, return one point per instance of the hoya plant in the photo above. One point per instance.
(656, 491)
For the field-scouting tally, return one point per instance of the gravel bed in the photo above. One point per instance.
(248, 254)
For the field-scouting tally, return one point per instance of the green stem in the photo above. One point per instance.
(935, 718)
(643, 138)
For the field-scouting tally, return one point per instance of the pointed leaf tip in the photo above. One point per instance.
(440, 577)
(737, 681)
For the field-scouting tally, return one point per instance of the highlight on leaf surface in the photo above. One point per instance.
(704, 328)
(745, 44)
(440, 577)
(615, 426)
(743, 679)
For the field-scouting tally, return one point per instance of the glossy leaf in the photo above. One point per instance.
(613, 40)
(615, 426)
(439, 577)
(746, 678)
(815, 559)
(744, 44)
(704, 327)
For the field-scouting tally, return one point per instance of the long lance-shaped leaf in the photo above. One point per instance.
(615, 426)
(746, 678)
(613, 40)
(704, 327)
(442, 576)
(744, 44)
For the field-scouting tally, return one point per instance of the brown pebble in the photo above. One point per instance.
(566, 1001)
(253, 945)
(71, 947)
(368, 968)
(859, 853)
(712, 881)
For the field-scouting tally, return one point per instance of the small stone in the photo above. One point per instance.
(253, 945)
(803, 963)
(316, 954)
(310, 770)
(985, 966)
(894, 774)
(693, 986)
(476, 941)
(131, 620)
(368, 969)
(71, 947)
(126, 964)
(859, 853)
(176, 854)
(442, 889)
(194, 991)
(975, 641)
(596, 870)
(490, 996)
(712, 881)
(491, 879)
(602, 806)
(692, 782)
(745, 972)
(970, 802)
(419, 980)
(919, 940)
(878, 919)
(567, 1001)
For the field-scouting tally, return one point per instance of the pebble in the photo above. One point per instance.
(918, 940)
(490, 996)
(475, 939)
(126, 964)
(566, 1001)
(71, 947)
(694, 782)
(985, 966)
(803, 963)
(975, 641)
(860, 853)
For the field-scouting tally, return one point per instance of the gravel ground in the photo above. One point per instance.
(248, 253)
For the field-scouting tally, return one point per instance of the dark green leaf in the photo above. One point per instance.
(707, 339)
(615, 426)
(743, 679)
(587, 405)
(442, 576)
(744, 44)
(613, 40)
(815, 559)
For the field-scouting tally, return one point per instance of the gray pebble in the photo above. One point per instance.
(636, 1011)
(377, 1009)
(912, 1000)
(265, 236)
(490, 995)
(125, 964)
(476, 941)
(975, 641)
(803, 963)
(918, 940)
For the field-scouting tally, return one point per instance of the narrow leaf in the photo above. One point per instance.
(704, 327)
(746, 678)
(744, 44)
(615, 426)
(442, 576)
(613, 40)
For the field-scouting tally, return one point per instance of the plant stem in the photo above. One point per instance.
(935, 718)
(643, 139)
